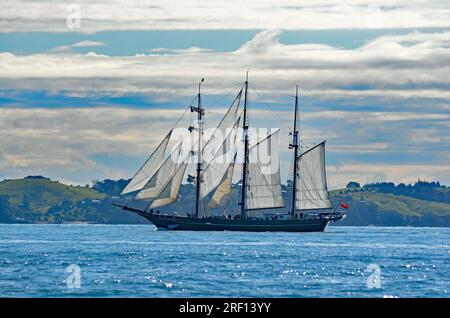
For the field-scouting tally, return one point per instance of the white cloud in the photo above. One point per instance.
(47, 15)
(88, 43)
(81, 44)
(377, 116)
(378, 172)
(63, 143)
(192, 49)
(388, 66)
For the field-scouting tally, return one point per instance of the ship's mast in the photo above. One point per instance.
(294, 145)
(245, 165)
(200, 112)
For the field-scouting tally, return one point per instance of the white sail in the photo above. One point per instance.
(161, 176)
(149, 168)
(224, 189)
(263, 179)
(312, 191)
(218, 166)
(216, 140)
(169, 192)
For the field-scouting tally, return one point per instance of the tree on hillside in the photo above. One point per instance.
(111, 187)
(353, 185)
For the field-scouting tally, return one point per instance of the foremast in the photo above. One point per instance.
(294, 145)
(245, 164)
(200, 111)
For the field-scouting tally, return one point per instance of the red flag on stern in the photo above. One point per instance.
(344, 205)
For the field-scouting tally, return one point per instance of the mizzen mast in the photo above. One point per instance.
(294, 145)
(200, 111)
(246, 141)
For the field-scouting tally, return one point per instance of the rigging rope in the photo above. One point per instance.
(184, 113)
(272, 110)
(229, 92)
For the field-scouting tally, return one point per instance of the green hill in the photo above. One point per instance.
(369, 207)
(37, 199)
(41, 194)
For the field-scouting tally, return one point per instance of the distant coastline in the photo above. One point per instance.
(39, 200)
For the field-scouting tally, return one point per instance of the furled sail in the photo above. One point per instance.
(263, 179)
(224, 189)
(218, 166)
(161, 176)
(311, 190)
(170, 190)
(149, 168)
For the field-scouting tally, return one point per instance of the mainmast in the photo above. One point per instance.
(200, 112)
(245, 165)
(295, 145)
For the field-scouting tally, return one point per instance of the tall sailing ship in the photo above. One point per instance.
(213, 159)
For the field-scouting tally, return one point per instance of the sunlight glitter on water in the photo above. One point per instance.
(136, 261)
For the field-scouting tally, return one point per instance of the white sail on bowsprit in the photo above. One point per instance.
(153, 187)
(149, 168)
(312, 190)
(169, 193)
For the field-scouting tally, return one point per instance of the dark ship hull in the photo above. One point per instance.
(181, 223)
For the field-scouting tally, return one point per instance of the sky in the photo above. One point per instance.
(89, 89)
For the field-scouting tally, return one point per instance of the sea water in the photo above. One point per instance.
(138, 261)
